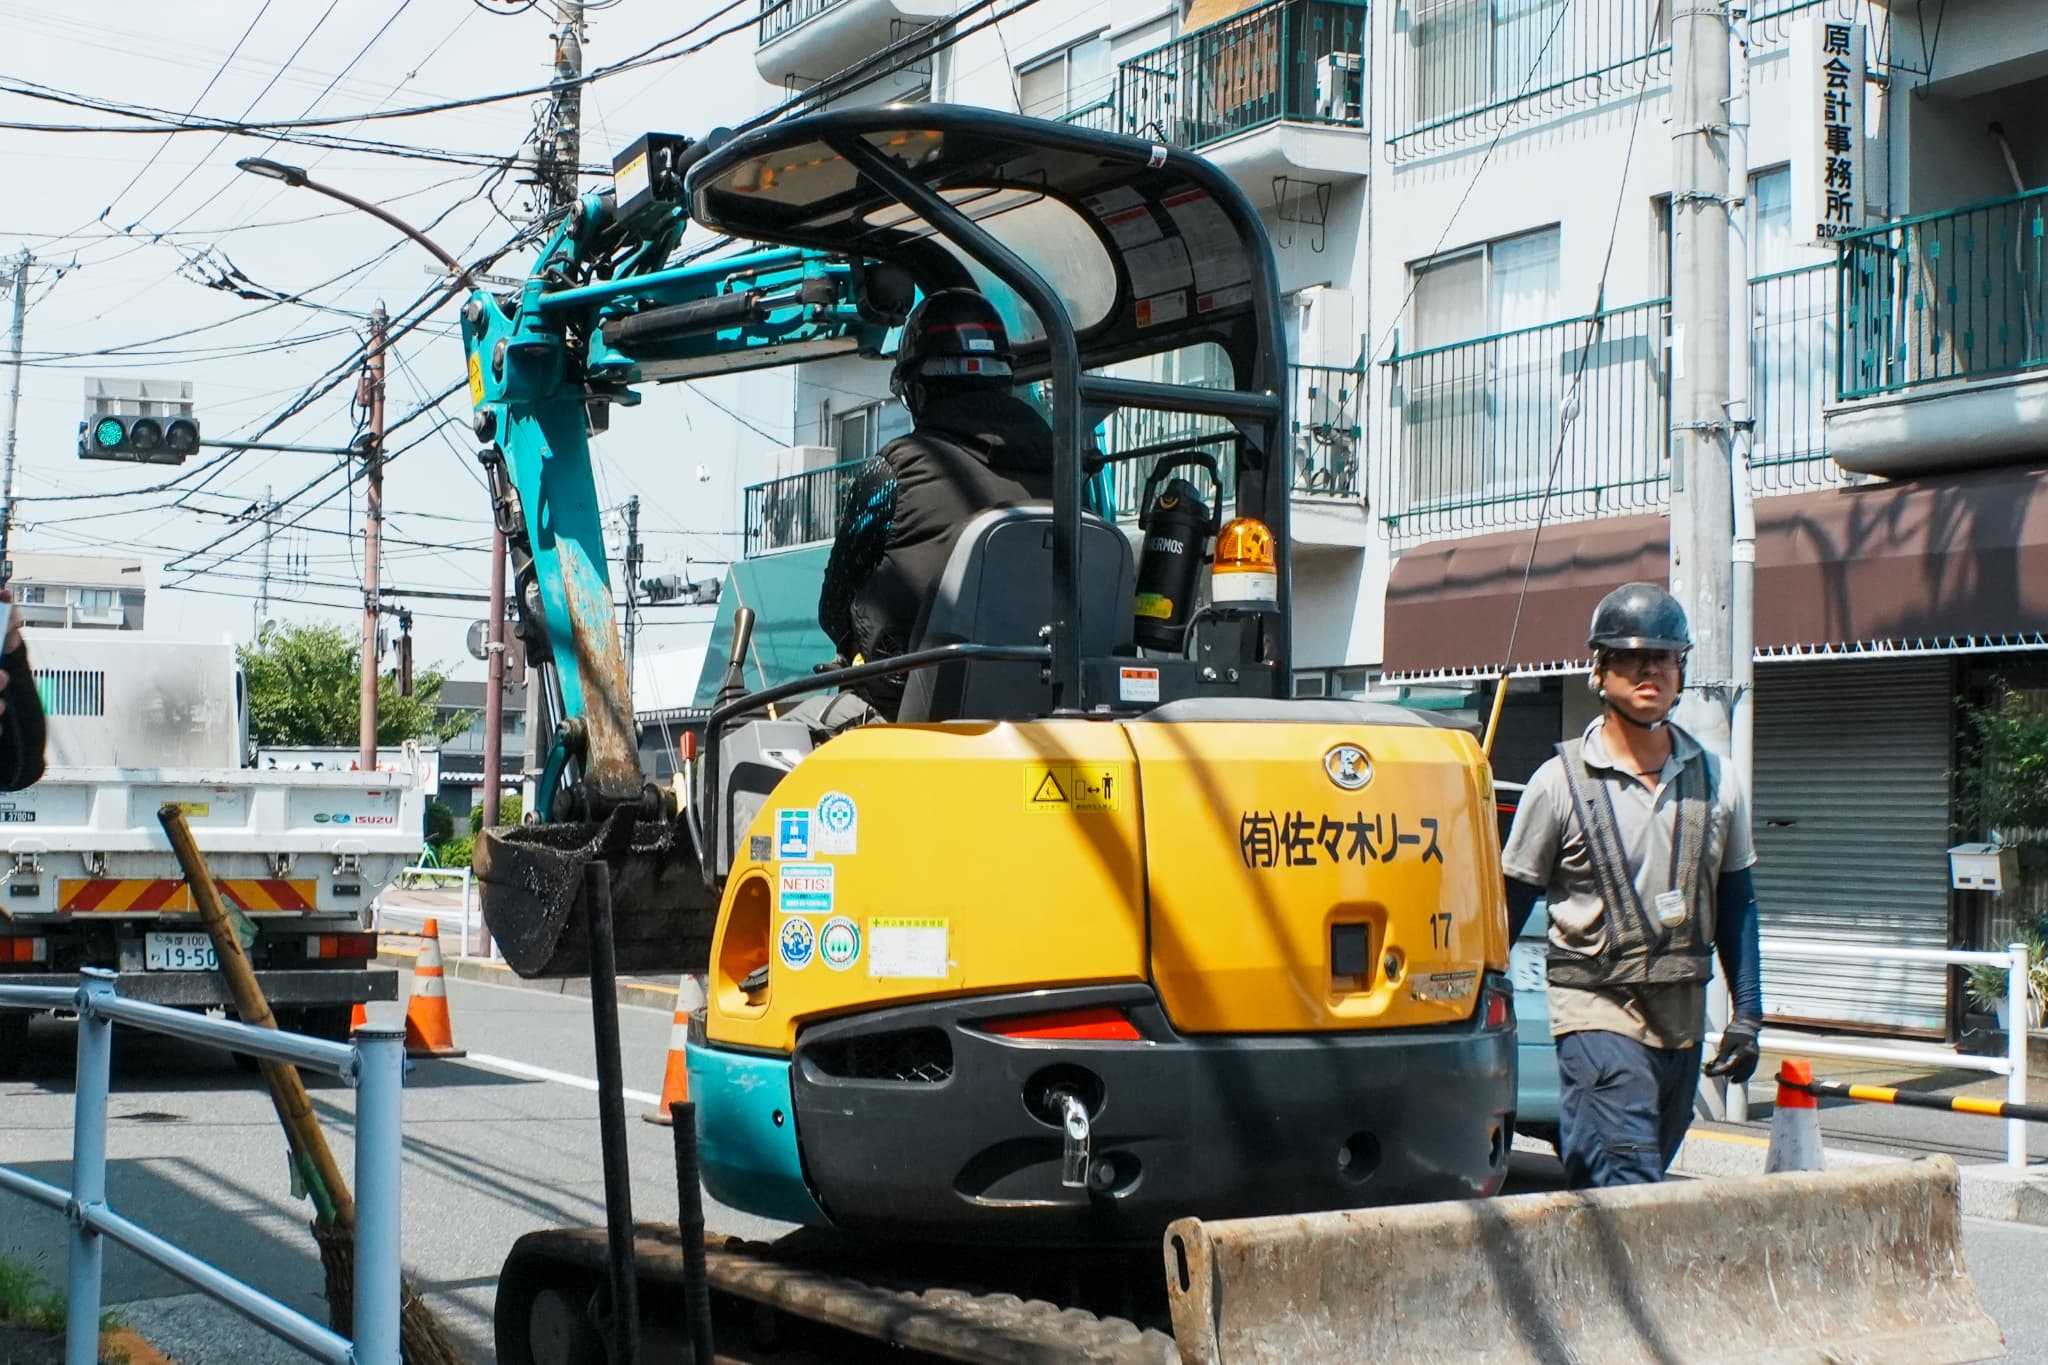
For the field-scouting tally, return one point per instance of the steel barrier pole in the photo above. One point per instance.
(88, 1169)
(380, 1094)
(2016, 1053)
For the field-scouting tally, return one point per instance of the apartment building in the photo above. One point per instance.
(83, 592)
(1471, 206)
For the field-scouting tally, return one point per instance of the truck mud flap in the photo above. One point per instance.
(1863, 1264)
(530, 880)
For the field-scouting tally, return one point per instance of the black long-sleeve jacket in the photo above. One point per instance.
(22, 731)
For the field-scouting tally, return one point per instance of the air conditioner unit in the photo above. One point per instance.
(1340, 87)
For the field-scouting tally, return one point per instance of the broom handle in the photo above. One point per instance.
(287, 1091)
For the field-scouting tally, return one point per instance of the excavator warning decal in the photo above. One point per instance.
(1089, 789)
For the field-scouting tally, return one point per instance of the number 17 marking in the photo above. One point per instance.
(1440, 930)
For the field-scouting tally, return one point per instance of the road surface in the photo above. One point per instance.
(497, 1143)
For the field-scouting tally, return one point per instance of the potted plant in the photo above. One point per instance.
(1987, 985)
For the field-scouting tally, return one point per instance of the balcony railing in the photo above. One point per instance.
(1792, 364)
(798, 509)
(1959, 295)
(1465, 67)
(1297, 60)
(1475, 431)
(1328, 426)
(780, 16)
(1472, 430)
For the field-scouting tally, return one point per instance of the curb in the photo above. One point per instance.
(1989, 1191)
(402, 954)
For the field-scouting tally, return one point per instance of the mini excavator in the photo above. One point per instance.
(1106, 928)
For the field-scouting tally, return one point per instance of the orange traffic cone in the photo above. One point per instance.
(675, 1080)
(358, 1017)
(1795, 1123)
(428, 1032)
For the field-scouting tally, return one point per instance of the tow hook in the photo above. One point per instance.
(1075, 1158)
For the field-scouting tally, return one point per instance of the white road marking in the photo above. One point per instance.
(583, 1002)
(541, 1073)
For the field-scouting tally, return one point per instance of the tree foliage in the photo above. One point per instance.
(508, 812)
(2005, 773)
(305, 690)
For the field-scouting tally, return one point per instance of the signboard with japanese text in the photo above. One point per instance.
(1828, 163)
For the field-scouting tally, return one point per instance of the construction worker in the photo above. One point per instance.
(1639, 841)
(974, 445)
(21, 709)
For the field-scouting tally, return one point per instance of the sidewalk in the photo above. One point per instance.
(402, 950)
(1858, 1133)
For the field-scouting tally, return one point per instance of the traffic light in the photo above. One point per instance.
(138, 421)
(145, 440)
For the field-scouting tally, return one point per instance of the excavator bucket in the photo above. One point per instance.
(530, 880)
(1858, 1265)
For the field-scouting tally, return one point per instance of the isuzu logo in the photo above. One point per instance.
(1348, 766)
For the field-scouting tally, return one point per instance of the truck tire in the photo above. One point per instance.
(328, 1022)
(13, 1042)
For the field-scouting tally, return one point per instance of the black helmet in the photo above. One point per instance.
(951, 334)
(1639, 616)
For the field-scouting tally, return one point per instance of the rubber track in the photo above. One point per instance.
(931, 1322)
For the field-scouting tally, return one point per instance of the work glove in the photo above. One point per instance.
(1739, 1052)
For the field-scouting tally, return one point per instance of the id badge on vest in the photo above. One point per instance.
(1671, 909)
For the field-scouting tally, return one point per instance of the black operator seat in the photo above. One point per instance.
(998, 590)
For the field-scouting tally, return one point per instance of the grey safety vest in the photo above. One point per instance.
(1640, 951)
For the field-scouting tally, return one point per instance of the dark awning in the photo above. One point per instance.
(1907, 563)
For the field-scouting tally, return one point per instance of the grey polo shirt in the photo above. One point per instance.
(1546, 848)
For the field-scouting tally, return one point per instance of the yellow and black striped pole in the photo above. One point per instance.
(1958, 1104)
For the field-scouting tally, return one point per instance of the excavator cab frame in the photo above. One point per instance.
(1101, 249)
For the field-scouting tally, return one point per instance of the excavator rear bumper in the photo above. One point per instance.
(926, 1122)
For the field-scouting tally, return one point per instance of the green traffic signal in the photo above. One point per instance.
(107, 433)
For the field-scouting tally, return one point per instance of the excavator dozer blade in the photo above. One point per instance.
(1859, 1265)
(531, 878)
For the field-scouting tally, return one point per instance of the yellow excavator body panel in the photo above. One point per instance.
(1264, 877)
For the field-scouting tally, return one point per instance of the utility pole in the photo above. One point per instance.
(1702, 448)
(494, 676)
(371, 395)
(263, 588)
(22, 262)
(560, 156)
(632, 580)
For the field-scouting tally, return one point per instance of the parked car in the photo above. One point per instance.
(1536, 1056)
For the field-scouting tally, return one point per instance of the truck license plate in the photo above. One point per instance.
(178, 953)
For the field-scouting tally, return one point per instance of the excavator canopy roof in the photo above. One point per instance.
(1148, 249)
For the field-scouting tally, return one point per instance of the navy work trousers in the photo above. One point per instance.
(1623, 1107)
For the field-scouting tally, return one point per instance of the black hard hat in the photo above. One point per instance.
(951, 334)
(1639, 616)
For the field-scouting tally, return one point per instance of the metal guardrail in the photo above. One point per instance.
(373, 1064)
(2012, 1066)
(1956, 295)
(1461, 68)
(471, 914)
(1302, 61)
(780, 16)
(797, 509)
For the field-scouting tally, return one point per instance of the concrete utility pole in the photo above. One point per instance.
(263, 588)
(559, 192)
(22, 262)
(494, 681)
(1702, 478)
(632, 584)
(372, 397)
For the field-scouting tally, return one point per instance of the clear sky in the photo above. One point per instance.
(144, 240)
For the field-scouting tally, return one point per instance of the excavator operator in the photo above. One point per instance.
(973, 445)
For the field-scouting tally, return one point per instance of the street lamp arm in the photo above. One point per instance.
(298, 179)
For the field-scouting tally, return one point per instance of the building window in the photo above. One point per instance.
(29, 594)
(1472, 54)
(1478, 416)
(853, 432)
(94, 601)
(1068, 80)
